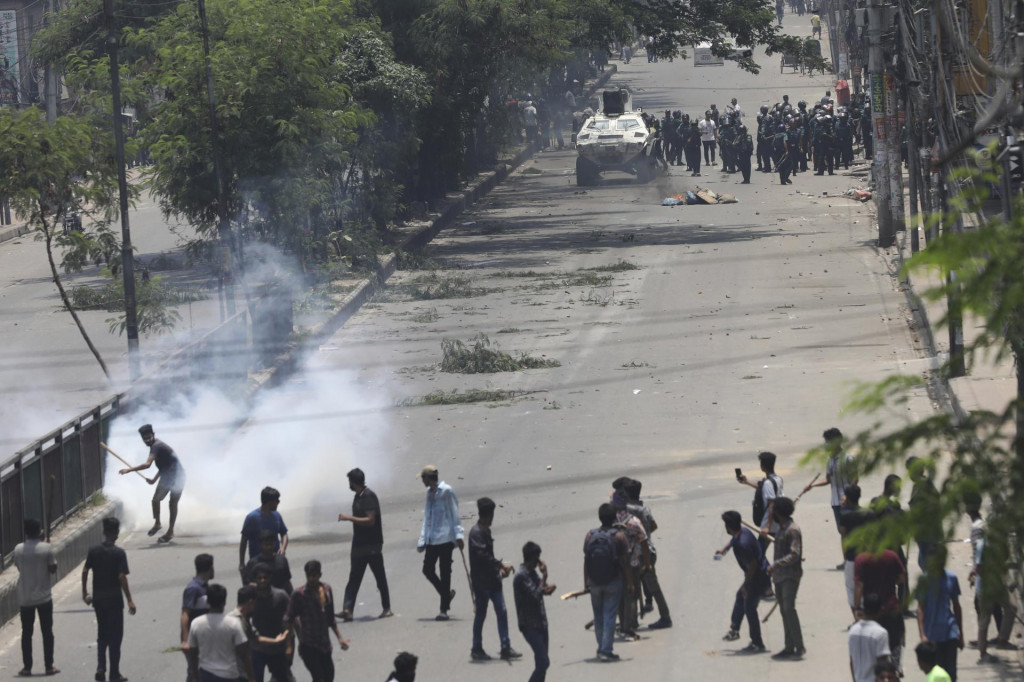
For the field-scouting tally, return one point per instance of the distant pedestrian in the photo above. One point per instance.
(928, 662)
(925, 508)
(786, 571)
(269, 615)
(939, 616)
(280, 569)
(169, 480)
(839, 473)
(440, 534)
(109, 566)
(36, 564)
(815, 25)
(405, 668)
(639, 562)
(530, 122)
(218, 644)
(529, 590)
(367, 546)
(851, 518)
(868, 641)
(754, 565)
(606, 573)
(766, 491)
(264, 517)
(649, 580)
(194, 602)
(311, 615)
(486, 573)
(991, 594)
(881, 573)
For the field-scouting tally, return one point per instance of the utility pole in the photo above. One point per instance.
(879, 127)
(127, 257)
(223, 220)
(50, 89)
(895, 160)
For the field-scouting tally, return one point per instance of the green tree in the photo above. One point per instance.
(976, 453)
(53, 172)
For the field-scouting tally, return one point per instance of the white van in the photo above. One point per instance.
(702, 56)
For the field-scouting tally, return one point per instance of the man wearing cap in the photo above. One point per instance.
(440, 534)
(170, 479)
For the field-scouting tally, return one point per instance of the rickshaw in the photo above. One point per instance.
(793, 60)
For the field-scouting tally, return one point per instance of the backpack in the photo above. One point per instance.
(779, 143)
(601, 557)
(759, 506)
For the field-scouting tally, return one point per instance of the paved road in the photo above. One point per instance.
(741, 329)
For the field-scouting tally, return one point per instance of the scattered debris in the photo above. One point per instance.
(453, 397)
(699, 195)
(479, 358)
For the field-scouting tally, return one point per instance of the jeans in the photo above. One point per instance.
(785, 593)
(360, 559)
(604, 599)
(537, 638)
(440, 554)
(894, 626)
(484, 595)
(318, 663)
(629, 611)
(28, 621)
(709, 152)
(109, 633)
(747, 606)
(276, 662)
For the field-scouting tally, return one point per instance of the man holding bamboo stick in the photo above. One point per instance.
(169, 479)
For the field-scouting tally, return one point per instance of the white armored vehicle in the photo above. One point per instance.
(615, 138)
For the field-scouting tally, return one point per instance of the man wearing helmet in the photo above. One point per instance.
(744, 148)
(780, 153)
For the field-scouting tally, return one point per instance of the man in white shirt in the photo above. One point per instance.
(868, 641)
(734, 108)
(839, 473)
(708, 136)
(218, 642)
(36, 563)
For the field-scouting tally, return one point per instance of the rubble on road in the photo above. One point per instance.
(700, 195)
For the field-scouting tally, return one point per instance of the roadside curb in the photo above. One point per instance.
(938, 384)
(69, 549)
(286, 363)
(13, 232)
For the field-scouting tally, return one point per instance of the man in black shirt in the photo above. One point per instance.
(486, 572)
(851, 517)
(277, 564)
(529, 590)
(268, 621)
(367, 545)
(170, 479)
(109, 566)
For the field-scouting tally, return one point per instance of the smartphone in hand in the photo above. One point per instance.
(739, 474)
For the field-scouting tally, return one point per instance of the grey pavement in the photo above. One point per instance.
(742, 329)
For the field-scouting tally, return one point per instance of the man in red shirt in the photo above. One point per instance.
(882, 574)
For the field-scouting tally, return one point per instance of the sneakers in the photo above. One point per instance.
(344, 615)
(661, 624)
(784, 654)
(441, 616)
(386, 613)
(630, 635)
(1006, 645)
(479, 655)
(732, 635)
(510, 654)
(841, 566)
(607, 657)
(988, 658)
(754, 649)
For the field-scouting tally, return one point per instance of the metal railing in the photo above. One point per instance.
(54, 476)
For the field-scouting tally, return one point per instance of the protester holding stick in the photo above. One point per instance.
(170, 479)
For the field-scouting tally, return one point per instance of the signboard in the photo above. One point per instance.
(9, 91)
(702, 56)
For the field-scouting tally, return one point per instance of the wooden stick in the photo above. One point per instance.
(769, 614)
(465, 566)
(574, 594)
(107, 448)
(754, 528)
(813, 481)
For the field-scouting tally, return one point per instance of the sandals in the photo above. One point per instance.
(165, 538)
(154, 530)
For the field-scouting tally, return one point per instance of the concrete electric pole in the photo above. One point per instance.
(879, 125)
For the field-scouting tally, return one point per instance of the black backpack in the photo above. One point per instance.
(601, 557)
(759, 506)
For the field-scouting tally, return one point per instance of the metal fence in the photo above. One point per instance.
(54, 476)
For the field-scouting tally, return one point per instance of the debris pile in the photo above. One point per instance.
(699, 195)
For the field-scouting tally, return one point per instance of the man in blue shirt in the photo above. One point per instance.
(265, 517)
(752, 562)
(440, 534)
(939, 618)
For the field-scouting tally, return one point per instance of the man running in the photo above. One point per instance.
(170, 479)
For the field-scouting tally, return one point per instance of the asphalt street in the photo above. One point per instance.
(738, 328)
